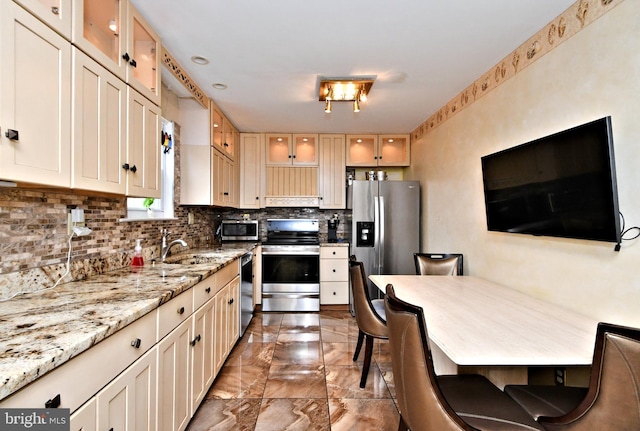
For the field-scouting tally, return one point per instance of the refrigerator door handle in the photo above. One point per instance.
(376, 234)
(381, 241)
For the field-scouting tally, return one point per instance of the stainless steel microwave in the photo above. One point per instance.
(239, 230)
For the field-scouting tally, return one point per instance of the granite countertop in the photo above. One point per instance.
(41, 331)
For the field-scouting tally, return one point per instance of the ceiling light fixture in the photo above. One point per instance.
(198, 59)
(219, 86)
(350, 89)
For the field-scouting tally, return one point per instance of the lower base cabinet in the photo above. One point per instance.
(174, 371)
(128, 403)
(84, 419)
(164, 387)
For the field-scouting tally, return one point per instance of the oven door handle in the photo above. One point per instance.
(290, 295)
(290, 252)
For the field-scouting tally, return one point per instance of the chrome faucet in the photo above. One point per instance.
(166, 247)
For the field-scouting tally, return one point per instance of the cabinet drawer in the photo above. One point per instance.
(334, 252)
(83, 376)
(334, 270)
(204, 291)
(334, 292)
(228, 273)
(174, 312)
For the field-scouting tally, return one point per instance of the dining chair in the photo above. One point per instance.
(370, 316)
(428, 402)
(612, 400)
(438, 263)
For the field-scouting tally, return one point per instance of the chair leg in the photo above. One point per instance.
(402, 426)
(358, 345)
(368, 352)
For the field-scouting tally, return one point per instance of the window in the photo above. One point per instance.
(160, 208)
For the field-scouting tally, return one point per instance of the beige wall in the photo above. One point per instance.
(593, 74)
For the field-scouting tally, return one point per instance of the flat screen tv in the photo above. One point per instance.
(561, 185)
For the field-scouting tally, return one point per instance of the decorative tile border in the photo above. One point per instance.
(565, 26)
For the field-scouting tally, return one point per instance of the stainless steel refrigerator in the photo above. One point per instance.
(385, 226)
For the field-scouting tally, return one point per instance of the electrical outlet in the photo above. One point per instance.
(190, 218)
(560, 376)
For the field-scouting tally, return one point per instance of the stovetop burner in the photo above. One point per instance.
(292, 232)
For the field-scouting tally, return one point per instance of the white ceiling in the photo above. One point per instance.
(271, 53)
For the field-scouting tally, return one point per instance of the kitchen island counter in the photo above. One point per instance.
(42, 330)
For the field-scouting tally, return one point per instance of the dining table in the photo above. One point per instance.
(479, 326)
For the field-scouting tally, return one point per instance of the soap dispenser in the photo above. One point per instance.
(138, 260)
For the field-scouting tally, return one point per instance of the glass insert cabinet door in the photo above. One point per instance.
(114, 34)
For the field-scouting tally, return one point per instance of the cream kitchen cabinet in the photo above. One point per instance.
(202, 358)
(35, 100)
(207, 176)
(95, 368)
(174, 378)
(332, 177)
(378, 150)
(223, 133)
(55, 13)
(99, 139)
(251, 171)
(287, 149)
(224, 180)
(142, 161)
(334, 275)
(227, 321)
(85, 418)
(128, 403)
(114, 34)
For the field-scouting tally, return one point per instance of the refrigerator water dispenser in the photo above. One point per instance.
(365, 236)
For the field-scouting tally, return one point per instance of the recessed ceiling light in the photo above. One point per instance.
(197, 59)
(219, 86)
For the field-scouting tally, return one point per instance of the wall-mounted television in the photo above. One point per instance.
(561, 185)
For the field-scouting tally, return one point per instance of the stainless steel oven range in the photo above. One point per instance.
(291, 265)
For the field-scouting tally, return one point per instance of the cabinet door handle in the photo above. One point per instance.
(133, 63)
(53, 403)
(225, 144)
(181, 310)
(231, 301)
(334, 270)
(195, 340)
(126, 57)
(126, 166)
(55, 10)
(208, 290)
(12, 135)
(134, 169)
(136, 343)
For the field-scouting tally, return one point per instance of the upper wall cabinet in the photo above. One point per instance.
(35, 100)
(297, 149)
(100, 130)
(378, 150)
(143, 148)
(222, 133)
(55, 13)
(116, 36)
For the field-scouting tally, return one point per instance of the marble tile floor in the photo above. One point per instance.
(294, 371)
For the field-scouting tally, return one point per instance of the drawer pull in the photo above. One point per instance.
(208, 290)
(12, 135)
(53, 403)
(136, 343)
(181, 310)
(334, 270)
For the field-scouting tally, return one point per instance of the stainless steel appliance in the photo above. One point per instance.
(386, 226)
(239, 230)
(246, 291)
(291, 265)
